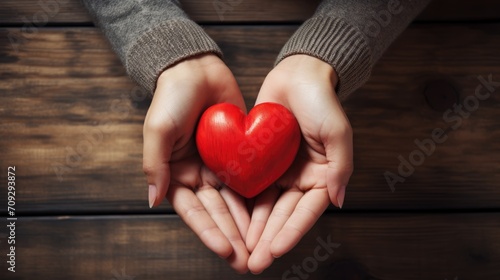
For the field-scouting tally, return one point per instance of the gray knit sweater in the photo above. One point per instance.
(351, 35)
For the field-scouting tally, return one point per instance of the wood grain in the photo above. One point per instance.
(72, 11)
(68, 109)
(365, 246)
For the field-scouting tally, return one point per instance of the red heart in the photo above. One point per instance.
(248, 153)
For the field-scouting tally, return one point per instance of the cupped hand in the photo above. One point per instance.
(171, 162)
(287, 210)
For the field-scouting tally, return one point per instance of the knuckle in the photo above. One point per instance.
(344, 130)
(280, 213)
(160, 122)
(193, 213)
(220, 210)
(156, 126)
(341, 130)
(148, 169)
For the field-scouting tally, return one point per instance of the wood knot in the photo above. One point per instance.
(441, 95)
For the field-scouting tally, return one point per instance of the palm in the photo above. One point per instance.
(310, 167)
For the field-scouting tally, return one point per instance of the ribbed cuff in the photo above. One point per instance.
(337, 43)
(165, 45)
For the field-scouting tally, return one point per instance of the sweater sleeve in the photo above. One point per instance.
(149, 35)
(351, 35)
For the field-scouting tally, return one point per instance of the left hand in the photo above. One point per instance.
(287, 210)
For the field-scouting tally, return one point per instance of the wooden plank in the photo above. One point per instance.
(68, 109)
(365, 246)
(12, 11)
(449, 10)
(72, 11)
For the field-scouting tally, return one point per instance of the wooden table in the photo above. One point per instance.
(71, 123)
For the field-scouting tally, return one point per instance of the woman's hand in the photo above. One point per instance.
(286, 211)
(171, 162)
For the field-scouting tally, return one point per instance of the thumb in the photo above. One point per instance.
(159, 134)
(339, 155)
(156, 156)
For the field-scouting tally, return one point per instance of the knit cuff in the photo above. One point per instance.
(165, 45)
(339, 44)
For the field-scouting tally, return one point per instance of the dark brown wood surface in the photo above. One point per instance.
(71, 123)
(364, 246)
(72, 120)
(72, 11)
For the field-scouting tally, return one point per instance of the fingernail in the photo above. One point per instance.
(340, 196)
(256, 273)
(152, 195)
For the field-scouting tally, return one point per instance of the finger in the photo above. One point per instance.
(305, 215)
(219, 212)
(261, 211)
(261, 257)
(157, 150)
(337, 139)
(193, 213)
(339, 154)
(238, 210)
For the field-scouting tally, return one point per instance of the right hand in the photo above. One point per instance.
(172, 164)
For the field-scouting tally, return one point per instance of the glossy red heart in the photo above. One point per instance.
(248, 153)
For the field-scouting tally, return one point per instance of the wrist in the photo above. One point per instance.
(191, 67)
(302, 64)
